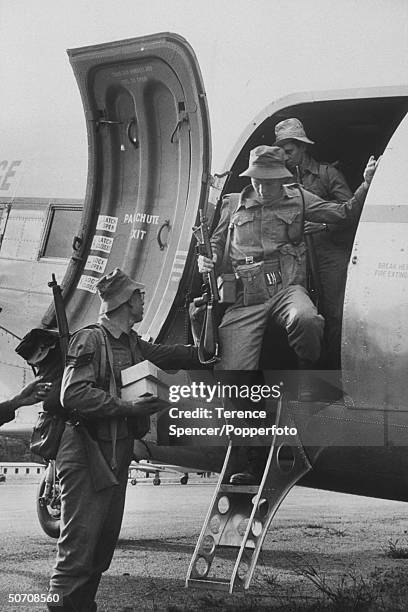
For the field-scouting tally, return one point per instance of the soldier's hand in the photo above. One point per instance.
(36, 391)
(144, 406)
(314, 228)
(370, 169)
(205, 264)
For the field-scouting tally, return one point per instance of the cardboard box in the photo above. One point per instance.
(144, 380)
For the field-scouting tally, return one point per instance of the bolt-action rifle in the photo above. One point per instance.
(208, 345)
(101, 474)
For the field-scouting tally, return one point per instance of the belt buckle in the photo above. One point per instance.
(249, 260)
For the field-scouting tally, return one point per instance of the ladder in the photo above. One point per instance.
(239, 516)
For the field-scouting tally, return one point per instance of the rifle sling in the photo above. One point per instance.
(233, 203)
(107, 356)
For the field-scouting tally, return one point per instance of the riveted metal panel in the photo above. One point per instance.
(375, 324)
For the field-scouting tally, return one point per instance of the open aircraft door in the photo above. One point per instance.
(148, 170)
(375, 324)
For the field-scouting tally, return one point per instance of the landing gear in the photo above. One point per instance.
(184, 479)
(49, 502)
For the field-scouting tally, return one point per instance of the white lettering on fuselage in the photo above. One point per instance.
(139, 217)
(7, 172)
(138, 234)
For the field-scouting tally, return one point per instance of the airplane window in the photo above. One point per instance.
(62, 227)
(22, 235)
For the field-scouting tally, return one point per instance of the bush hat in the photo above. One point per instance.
(115, 289)
(290, 129)
(35, 339)
(267, 163)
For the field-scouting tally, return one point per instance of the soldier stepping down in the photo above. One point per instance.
(267, 237)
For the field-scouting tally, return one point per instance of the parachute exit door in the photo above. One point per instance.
(148, 169)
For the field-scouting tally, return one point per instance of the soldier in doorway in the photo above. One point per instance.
(332, 242)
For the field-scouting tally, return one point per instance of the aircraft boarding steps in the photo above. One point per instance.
(239, 516)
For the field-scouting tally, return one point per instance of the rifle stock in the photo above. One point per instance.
(101, 474)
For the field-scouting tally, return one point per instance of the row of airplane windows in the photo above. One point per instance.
(19, 470)
(30, 233)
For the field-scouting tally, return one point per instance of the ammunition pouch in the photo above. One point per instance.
(252, 278)
(46, 435)
(259, 281)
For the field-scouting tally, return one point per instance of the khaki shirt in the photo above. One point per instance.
(324, 180)
(274, 231)
(83, 391)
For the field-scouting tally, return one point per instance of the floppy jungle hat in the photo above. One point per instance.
(267, 163)
(115, 289)
(290, 129)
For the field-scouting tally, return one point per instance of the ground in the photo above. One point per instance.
(326, 551)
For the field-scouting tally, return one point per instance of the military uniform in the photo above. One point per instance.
(332, 249)
(90, 519)
(7, 412)
(271, 235)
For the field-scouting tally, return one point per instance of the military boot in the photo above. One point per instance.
(253, 470)
(68, 606)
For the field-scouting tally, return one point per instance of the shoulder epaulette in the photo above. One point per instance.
(232, 200)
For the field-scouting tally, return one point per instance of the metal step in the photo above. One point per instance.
(239, 516)
(217, 585)
(228, 488)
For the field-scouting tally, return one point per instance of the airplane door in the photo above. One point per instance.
(149, 159)
(375, 323)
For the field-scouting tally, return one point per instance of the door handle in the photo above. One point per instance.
(133, 139)
(162, 245)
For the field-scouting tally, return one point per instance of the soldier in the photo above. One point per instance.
(264, 230)
(36, 391)
(91, 519)
(332, 243)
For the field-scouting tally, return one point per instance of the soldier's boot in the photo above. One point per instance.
(68, 605)
(254, 468)
(77, 601)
